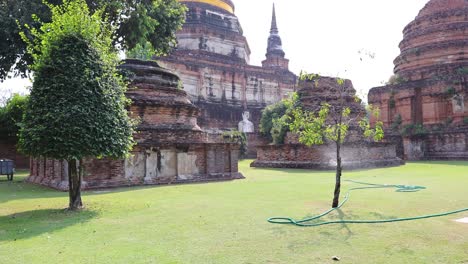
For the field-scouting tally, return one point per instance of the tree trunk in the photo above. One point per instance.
(336, 197)
(74, 184)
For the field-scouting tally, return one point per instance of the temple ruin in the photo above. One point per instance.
(357, 151)
(171, 147)
(212, 60)
(426, 100)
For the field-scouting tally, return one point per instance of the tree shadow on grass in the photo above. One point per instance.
(342, 216)
(37, 222)
(19, 190)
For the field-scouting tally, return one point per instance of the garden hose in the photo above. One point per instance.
(313, 221)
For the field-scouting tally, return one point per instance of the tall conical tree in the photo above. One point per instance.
(77, 103)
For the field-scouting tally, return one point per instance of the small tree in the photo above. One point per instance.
(77, 103)
(331, 123)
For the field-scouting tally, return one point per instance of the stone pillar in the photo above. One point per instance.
(234, 155)
(210, 160)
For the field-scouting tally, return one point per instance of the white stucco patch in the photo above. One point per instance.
(168, 163)
(186, 165)
(135, 166)
(151, 166)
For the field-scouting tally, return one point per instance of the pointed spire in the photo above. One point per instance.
(274, 26)
(275, 54)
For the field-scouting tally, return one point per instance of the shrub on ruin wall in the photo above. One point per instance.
(397, 121)
(270, 113)
(236, 136)
(396, 79)
(413, 130)
(274, 123)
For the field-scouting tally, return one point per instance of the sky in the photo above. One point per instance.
(355, 39)
(330, 37)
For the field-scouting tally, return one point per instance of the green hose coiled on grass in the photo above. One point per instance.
(399, 188)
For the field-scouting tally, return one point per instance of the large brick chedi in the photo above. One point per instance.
(171, 147)
(212, 59)
(427, 99)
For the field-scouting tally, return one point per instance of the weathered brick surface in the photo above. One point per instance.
(451, 144)
(365, 155)
(171, 147)
(253, 141)
(357, 152)
(433, 70)
(436, 36)
(212, 60)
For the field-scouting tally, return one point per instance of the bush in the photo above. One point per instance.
(397, 122)
(269, 114)
(276, 118)
(413, 130)
(450, 91)
(448, 121)
(396, 79)
(235, 136)
(11, 115)
(392, 103)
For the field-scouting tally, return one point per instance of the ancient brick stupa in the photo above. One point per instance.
(357, 152)
(212, 59)
(171, 147)
(426, 101)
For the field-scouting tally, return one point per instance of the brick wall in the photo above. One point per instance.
(354, 156)
(8, 151)
(253, 141)
(447, 145)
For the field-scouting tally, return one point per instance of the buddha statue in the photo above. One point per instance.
(245, 125)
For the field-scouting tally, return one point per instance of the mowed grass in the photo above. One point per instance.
(226, 222)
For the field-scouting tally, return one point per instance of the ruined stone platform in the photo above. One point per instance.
(357, 152)
(323, 157)
(171, 148)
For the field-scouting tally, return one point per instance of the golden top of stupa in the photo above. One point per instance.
(225, 5)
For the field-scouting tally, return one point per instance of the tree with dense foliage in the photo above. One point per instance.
(329, 123)
(136, 22)
(275, 120)
(77, 104)
(143, 51)
(11, 115)
(267, 128)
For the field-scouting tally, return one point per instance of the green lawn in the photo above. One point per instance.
(226, 222)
